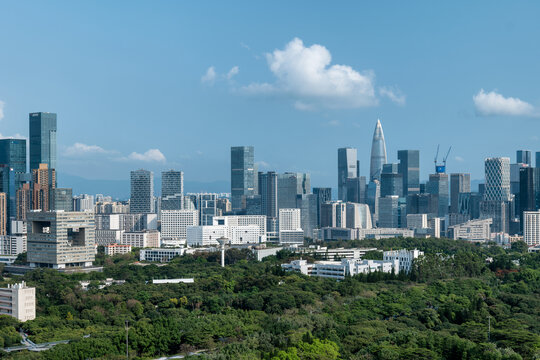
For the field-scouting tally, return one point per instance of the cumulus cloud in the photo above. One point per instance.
(210, 76)
(306, 73)
(149, 156)
(79, 149)
(2, 104)
(233, 72)
(493, 103)
(393, 94)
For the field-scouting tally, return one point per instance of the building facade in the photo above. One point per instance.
(18, 301)
(142, 192)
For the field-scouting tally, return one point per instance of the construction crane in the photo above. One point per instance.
(441, 169)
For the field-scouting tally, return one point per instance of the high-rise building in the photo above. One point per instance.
(358, 216)
(409, 168)
(289, 186)
(43, 182)
(142, 192)
(60, 239)
(172, 190)
(459, 183)
(42, 140)
(356, 189)
(389, 212)
(347, 168)
(378, 153)
(23, 201)
(334, 214)
(391, 184)
(438, 186)
(3, 214)
(323, 195)
(531, 227)
(268, 188)
(62, 199)
(307, 203)
(496, 198)
(207, 206)
(290, 226)
(242, 175)
(523, 157)
(527, 201)
(13, 154)
(373, 193)
(175, 222)
(83, 202)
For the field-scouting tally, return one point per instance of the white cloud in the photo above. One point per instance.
(210, 76)
(493, 103)
(334, 123)
(16, 136)
(306, 74)
(149, 156)
(459, 159)
(393, 94)
(2, 105)
(233, 72)
(79, 149)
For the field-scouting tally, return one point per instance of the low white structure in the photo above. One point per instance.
(238, 221)
(237, 234)
(290, 237)
(404, 257)
(160, 254)
(113, 249)
(340, 269)
(264, 252)
(19, 301)
(325, 253)
(383, 233)
(141, 239)
(173, 281)
(474, 230)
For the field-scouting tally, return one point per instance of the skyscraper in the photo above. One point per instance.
(391, 184)
(13, 154)
(409, 168)
(356, 189)
(268, 188)
(142, 192)
(323, 195)
(307, 203)
(42, 140)
(62, 199)
(459, 183)
(172, 190)
(43, 182)
(378, 153)
(388, 211)
(527, 201)
(289, 186)
(496, 199)
(523, 157)
(12, 171)
(3, 214)
(438, 186)
(242, 175)
(347, 168)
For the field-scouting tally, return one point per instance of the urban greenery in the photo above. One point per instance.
(461, 301)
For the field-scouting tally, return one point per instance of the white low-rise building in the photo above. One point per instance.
(383, 233)
(12, 244)
(113, 249)
(239, 221)
(340, 269)
(19, 301)
(405, 258)
(474, 230)
(141, 239)
(160, 254)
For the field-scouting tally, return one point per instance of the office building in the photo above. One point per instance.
(172, 190)
(473, 230)
(23, 201)
(142, 192)
(496, 198)
(108, 236)
(83, 202)
(334, 214)
(358, 216)
(43, 182)
(417, 221)
(378, 153)
(323, 195)
(438, 186)
(290, 228)
(531, 227)
(3, 213)
(141, 239)
(175, 222)
(160, 254)
(347, 168)
(356, 189)
(389, 212)
(391, 184)
(404, 257)
(289, 186)
(523, 157)
(242, 175)
(206, 203)
(307, 203)
(339, 270)
(268, 188)
(62, 199)
(60, 239)
(13, 154)
(409, 168)
(241, 228)
(42, 140)
(527, 197)
(459, 183)
(18, 301)
(373, 194)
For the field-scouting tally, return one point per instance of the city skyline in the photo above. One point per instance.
(423, 97)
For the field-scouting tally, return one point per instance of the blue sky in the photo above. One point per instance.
(171, 84)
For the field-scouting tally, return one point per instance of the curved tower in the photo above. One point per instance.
(378, 153)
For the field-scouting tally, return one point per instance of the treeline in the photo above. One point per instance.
(252, 309)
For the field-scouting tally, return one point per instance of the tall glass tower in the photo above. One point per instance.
(409, 168)
(378, 153)
(142, 192)
(42, 140)
(347, 168)
(242, 175)
(172, 190)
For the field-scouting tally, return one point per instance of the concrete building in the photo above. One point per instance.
(417, 221)
(141, 239)
(358, 216)
(113, 249)
(339, 270)
(160, 254)
(496, 198)
(438, 186)
(531, 227)
(107, 237)
(459, 183)
(43, 183)
(3, 213)
(84, 202)
(18, 301)
(473, 230)
(383, 233)
(12, 244)
(238, 221)
(290, 228)
(175, 222)
(205, 235)
(334, 214)
(60, 239)
(404, 257)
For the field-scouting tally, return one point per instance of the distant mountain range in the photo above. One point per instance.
(120, 189)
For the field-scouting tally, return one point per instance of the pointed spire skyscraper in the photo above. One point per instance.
(378, 153)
